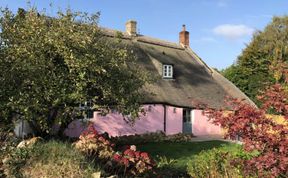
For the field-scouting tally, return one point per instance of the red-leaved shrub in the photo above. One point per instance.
(259, 132)
(94, 144)
(134, 162)
(130, 162)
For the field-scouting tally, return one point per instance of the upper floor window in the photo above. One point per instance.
(167, 71)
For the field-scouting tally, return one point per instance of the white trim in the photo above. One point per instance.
(192, 118)
(167, 71)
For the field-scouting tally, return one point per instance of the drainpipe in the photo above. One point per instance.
(164, 118)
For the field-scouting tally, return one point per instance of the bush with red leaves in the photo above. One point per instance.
(259, 132)
(130, 162)
(133, 162)
(94, 144)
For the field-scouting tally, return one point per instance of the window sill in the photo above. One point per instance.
(172, 79)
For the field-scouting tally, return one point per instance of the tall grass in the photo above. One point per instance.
(56, 159)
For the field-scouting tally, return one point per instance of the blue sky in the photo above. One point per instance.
(219, 29)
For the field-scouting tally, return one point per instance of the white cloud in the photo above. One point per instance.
(222, 4)
(205, 40)
(233, 32)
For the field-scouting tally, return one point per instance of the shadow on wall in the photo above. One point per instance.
(115, 125)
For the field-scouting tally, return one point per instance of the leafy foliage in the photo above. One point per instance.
(133, 162)
(129, 162)
(17, 160)
(8, 143)
(252, 71)
(94, 145)
(259, 132)
(151, 137)
(172, 158)
(50, 65)
(48, 159)
(214, 163)
(262, 65)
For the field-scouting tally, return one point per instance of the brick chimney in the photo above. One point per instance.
(184, 36)
(131, 27)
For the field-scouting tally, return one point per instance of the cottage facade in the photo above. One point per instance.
(171, 103)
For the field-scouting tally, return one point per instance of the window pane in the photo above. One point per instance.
(167, 71)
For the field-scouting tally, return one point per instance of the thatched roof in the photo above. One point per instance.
(193, 81)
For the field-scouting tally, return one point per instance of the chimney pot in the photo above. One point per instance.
(131, 27)
(184, 36)
(183, 27)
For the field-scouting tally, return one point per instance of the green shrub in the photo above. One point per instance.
(215, 163)
(50, 159)
(151, 138)
(16, 160)
(180, 137)
(138, 138)
(166, 167)
(7, 141)
(8, 144)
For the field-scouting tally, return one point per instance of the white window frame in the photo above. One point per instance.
(167, 71)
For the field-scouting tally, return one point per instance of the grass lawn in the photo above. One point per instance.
(183, 152)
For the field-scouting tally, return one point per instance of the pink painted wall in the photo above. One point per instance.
(152, 121)
(201, 125)
(174, 121)
(114, 124)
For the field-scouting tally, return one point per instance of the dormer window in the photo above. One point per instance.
(167, 71)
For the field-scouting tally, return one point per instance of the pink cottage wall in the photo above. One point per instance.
(202, 126)
(174, 120)
(114, 124)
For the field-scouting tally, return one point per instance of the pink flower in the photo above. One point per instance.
(144, 155)
(125, 161)
(102, 139)
(137, 154)
(129, 153)
(117, 157)
(133, 147)
(92, 129)
(107, 142)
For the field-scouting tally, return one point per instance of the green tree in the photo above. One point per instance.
(50, 65)
(253, 70)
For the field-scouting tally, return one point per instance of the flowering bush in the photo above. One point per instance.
(129, 162)
(94, 144)
(133, 162)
